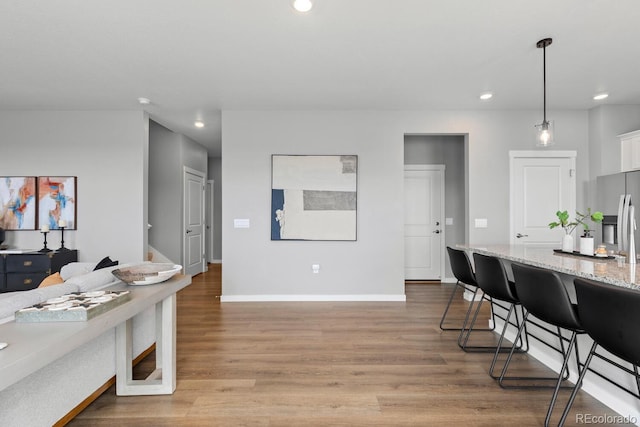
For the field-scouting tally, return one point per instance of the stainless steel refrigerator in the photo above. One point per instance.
(615, 195)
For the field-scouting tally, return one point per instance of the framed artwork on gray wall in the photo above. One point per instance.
(314, 197)
(18, 202)
(57, 198)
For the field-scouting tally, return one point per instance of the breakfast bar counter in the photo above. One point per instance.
(614, 271)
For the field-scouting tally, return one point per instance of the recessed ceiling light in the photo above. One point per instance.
(144, 101)
(198, 124)
(302, 5)
(601, 96)
(485, 96)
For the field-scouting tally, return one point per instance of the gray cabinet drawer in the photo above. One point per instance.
(22, 263)
(24, 281)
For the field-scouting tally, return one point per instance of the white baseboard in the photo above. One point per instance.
(468, 295)
(448, 280)
(215, 261)
(313, 298)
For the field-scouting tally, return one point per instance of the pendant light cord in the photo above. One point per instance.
(544, 84)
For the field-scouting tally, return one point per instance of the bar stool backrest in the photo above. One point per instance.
(461, 266)
(492, 278)
(544, 295)
(611, 316)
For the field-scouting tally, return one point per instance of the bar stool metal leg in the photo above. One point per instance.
(564, 372)
(578, 385)
(565, 366)
(466, 318)
(466, 331)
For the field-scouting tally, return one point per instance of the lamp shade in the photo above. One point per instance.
(544, 134)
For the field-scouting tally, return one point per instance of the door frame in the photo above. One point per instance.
(211, 205)
(528, 154)
(185, 170)
(437, 168)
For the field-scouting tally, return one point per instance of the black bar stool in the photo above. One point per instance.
(466, 280)
(543, 295)
(610, 315)
(491, 277)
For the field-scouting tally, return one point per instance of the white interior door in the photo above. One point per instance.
(541, 184)
(194, 224)
(423, 214)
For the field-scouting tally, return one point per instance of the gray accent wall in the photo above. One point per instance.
(169, 153)
(445, 150)
(373, 265)
(215, 173)
(106, 150)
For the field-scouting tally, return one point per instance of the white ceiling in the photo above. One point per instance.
(194, 58)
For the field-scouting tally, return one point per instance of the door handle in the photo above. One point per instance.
(437, 231)
(521, 235)
(189, 231)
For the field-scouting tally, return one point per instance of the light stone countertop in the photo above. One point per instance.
(611, 271)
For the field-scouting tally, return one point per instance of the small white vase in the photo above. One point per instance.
(586, 246)
(567, 243)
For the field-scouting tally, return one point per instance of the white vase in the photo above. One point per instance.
(567, 243)
(586, 246)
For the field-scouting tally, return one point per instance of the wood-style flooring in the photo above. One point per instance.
(327, 364)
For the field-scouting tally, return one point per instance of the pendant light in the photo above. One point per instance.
(545, 129)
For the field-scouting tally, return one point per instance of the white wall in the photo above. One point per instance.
(605, 124)
(106, 150)
(254, 265)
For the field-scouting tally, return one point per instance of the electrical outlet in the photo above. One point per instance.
(315, 268)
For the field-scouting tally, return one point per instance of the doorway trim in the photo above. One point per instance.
(201, 175)
(209, 221)
(441, 169)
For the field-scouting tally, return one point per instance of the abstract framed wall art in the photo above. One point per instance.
(57, 202)
(314, 197)
(18, 202)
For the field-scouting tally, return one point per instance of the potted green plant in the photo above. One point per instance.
(586, 240)
(568, 226)
(583, 219)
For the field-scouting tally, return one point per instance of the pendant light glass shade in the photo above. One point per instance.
(544, 134)
(545, 129)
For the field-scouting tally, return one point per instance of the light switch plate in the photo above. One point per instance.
(448, 221)
(241, 223)
(481, 223)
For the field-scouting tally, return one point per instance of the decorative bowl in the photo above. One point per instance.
(147, 274)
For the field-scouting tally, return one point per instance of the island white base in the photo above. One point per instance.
(624, 404)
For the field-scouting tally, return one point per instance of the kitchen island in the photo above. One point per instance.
(604, 381)
(614, 271)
